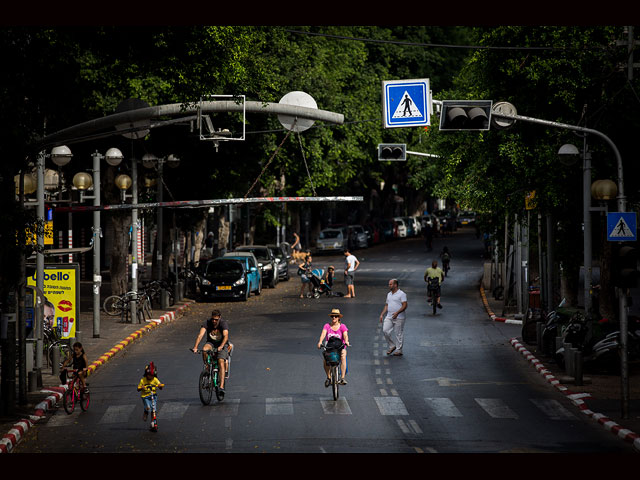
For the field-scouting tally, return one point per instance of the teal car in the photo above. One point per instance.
(250, 262)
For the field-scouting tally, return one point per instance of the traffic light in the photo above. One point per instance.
(624, 268)
(392, 152)
(465, 114)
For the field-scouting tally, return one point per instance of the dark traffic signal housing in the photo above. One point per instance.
(624, 268)
(392, 152)
(465, 114)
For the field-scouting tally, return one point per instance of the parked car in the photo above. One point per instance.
(331, 239)
(282, 260)
(401, 226)
(447, 221)
(411, 231)
(266, 262)
(250, 264)
(467, 218)
(374, 232)
(359, 236)
(388, 229)
(227, 278)
(417, 226)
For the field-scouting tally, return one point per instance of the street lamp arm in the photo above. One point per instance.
(178, 109)
(621, 198)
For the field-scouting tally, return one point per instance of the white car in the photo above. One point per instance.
(331, 239)
(402, 228)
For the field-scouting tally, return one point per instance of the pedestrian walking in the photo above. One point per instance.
(393, 318)
(350, 267)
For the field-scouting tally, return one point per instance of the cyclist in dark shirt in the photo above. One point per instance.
(217, 339)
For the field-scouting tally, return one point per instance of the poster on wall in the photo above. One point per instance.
(62, 296)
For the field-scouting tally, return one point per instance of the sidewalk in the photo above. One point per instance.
(599, 398)
(114, 336)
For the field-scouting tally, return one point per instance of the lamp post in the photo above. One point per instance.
(82, 182)
(60, 155)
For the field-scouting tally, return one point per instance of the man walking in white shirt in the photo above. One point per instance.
(393, 317)
(351, 265)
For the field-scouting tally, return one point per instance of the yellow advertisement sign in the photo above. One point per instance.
(530, 201)
(32, 238)
(61, 289)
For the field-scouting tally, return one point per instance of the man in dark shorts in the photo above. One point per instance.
(217, 339)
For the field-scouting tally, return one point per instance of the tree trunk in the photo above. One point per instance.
(119, 253)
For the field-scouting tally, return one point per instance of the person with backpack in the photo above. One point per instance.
(434, 276)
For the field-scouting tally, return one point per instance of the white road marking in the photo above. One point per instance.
(391, 406)
(496, 408)
(443, 407)
(279, 406)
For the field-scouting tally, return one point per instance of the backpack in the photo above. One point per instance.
(445, 257)
(433, 283)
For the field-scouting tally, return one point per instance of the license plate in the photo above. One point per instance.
(223, 287)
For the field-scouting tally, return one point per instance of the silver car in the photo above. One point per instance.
(331, 239)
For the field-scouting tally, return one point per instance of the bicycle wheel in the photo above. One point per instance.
(113, 305)
(146, 307)
(85, 397)
(205, 387)
(69, 400)
(216, 382)
(335, 385)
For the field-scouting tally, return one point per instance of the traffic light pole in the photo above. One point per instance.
(622, 204)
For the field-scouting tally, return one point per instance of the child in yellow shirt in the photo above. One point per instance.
(147, 386)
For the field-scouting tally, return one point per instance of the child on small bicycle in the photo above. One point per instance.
(80, 362)
(147, 386)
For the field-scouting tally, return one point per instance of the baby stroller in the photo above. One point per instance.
(318, 283)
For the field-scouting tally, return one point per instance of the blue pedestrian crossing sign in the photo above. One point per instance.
(621, 227)
(406, 103)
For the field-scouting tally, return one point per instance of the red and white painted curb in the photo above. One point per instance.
(19, 430)
(493, 316)
(578, 399)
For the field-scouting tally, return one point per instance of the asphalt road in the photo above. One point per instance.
(459, 388)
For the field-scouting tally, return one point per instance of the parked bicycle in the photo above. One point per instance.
(155, 288)
(75, 394)
(332, 358)
(209, 380)
(53, 341)
(115, 305)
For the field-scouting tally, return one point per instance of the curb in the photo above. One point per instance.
(493, 315)
(578, 400)
(19, 430)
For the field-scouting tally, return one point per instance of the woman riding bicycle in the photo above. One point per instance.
(337, 337)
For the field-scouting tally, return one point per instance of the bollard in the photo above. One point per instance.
(32, 380)
(55, 361)
(539, 340)
(164, 299)
(568, 364)
(578, 367)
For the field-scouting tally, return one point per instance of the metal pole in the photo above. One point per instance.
(97, 233)
(586, 196)
(134, 239)
(39, 266)
(550, 260)
(159, 229)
